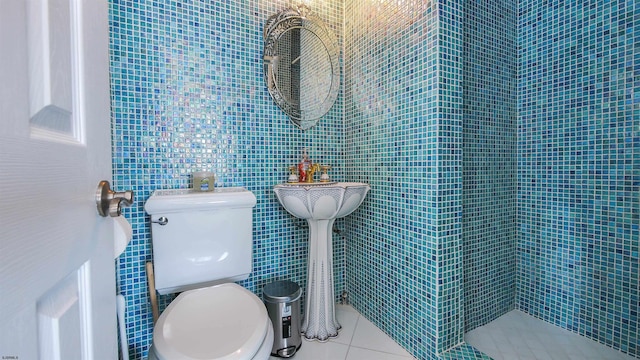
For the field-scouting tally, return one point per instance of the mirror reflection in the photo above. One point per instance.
(301, 65)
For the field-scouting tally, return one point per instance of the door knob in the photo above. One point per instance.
(110, 202)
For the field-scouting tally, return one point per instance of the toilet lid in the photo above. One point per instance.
(220, 322)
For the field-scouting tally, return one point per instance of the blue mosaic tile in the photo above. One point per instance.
(426, 116)
(489, 166)
(449, 178)
(187, 95)
(579, 167)
(404, 131)
(386, 283)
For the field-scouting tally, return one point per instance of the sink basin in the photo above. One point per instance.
(320, 205)
(321, 202)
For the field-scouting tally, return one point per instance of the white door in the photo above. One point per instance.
(57, 283)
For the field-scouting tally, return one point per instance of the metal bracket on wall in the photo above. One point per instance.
(344, 298)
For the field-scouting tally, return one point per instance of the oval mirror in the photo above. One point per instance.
(301, 66)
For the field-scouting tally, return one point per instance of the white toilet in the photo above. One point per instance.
(202, 243)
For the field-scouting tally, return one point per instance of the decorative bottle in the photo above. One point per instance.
(303, 167)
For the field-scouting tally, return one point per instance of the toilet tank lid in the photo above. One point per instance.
(177, 200)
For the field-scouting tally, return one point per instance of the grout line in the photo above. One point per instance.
(346, 356)
(380, 351)
(355, 328)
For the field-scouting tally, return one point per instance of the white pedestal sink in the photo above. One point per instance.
(320, 204)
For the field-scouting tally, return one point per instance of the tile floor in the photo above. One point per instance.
(516, 336)
(359, 339)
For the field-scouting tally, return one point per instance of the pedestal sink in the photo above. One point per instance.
(320, 204)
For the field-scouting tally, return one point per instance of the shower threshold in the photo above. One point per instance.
(517, 335)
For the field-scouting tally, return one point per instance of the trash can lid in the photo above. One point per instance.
(281, 291)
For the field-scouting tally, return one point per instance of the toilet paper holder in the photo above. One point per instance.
(109, 202)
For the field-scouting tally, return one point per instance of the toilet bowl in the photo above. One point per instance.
(219, 322)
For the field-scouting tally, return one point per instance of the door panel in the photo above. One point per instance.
(57, 281)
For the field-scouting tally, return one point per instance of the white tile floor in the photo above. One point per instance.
(516, 336)
(359, 339)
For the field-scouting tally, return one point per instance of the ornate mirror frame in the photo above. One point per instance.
(302, 18)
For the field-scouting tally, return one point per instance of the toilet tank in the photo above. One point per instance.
(207, 238)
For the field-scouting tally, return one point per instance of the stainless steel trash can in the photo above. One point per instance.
(282, 299)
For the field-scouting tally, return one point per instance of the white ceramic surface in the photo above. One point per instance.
(517, 335)
(320, 205)
(225, 321)
(122, 234)
(206, 238)
(321, 202)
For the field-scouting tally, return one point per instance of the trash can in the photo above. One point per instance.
(282, 299)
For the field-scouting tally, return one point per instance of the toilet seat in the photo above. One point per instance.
(222, 322)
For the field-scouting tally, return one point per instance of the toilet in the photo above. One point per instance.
(202, 243)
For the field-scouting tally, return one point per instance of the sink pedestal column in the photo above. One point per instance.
(320, 204)
(320, 320)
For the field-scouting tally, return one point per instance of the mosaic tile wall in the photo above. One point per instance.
(489, 160)
(448, 197)
(579, 167)
(403, 131)
(188, 94)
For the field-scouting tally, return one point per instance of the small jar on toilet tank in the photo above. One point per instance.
(203, 181)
